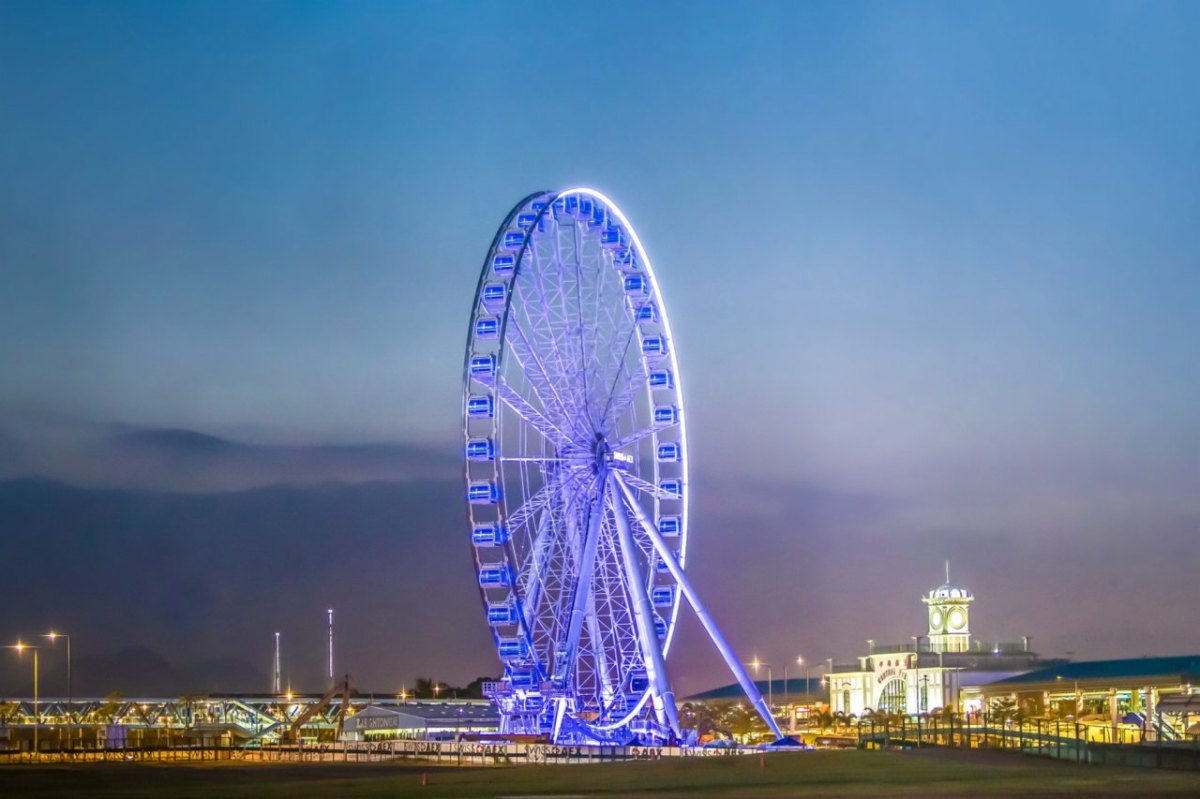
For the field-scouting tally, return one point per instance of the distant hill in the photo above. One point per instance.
(213, 575)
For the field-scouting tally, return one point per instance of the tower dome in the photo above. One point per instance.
(949, 610)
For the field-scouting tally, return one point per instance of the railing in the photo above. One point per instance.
(440, 752)
(1122, 744)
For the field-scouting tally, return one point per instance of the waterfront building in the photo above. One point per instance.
(942, 669)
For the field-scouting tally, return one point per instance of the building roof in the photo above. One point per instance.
(1184, 667)
(446, 712)
(779, 688)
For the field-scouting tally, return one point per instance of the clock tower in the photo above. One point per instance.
(949, 606)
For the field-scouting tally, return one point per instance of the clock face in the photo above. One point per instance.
(958, 619)
(935, 619)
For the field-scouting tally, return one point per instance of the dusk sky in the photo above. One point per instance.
(933, 271)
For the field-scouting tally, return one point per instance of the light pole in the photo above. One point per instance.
(770, 679)
(53, 636)
(21, 647)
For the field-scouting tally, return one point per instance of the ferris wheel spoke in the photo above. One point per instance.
(633, 481)
(532, 578)
(532, 416)
(620, 401)
(636, 436)
(534, 369)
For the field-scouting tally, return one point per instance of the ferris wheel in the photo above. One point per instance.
(576, 465)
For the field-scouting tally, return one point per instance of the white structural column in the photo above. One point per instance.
(710, 626)
(583, 583)
(656, 668)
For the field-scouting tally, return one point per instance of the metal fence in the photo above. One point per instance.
(1114, 744)
(434, 752)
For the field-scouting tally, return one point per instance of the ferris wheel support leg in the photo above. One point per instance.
(693, 599)
(583, 584)
(656, 667)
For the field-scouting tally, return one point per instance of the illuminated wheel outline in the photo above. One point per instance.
(573, 414)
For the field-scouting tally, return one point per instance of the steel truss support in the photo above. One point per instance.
(656, 668)
(693, 599)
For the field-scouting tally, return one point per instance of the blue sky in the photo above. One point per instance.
(944, 254)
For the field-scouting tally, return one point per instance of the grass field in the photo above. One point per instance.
(800, 774)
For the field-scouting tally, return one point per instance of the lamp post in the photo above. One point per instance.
(54, 636)
(20, 646)
(770, 679)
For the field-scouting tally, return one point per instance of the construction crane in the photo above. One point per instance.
(293, 732)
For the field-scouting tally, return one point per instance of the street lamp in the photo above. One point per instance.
(21, 646)
(53, 636)
(754, 664)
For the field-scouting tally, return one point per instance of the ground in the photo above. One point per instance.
(800, 774)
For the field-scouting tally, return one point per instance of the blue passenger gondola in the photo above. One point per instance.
(512, 648)
(504, 265)
(662, 596)
(672, 487)
(597, 220)
(646, 313)
(483, 492)
(638, 682)
(654, 346)
(586, 207)
(489, 535)
(523, 678)
(670, 452)
(513, 239)
(636, 286)
(487, 327)
(480, 406)
(483, 366)
(493, 294)
(525, 221)
(660, 627)
(622, 258)
(670, 526)
(481, 449)
(502, 613)
(611, 237)
(665, 415)
(661, 378)
(496, 576)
